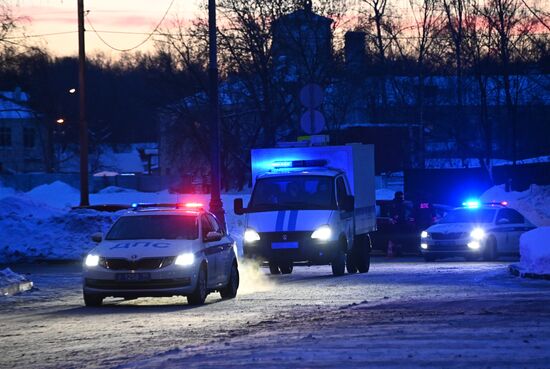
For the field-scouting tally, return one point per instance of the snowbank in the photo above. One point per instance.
(8, 277)
(534, 248)
(533, 203)
(35, 231)
(6, 191)
(40, 224)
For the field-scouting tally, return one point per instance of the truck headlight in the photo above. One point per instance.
(251, 235)
(424, 234)
(477, 234)
(185, 259)
(322, 233)
(92, 260)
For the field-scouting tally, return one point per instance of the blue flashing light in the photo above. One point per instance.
(282, 164)
(471, 204)
(135, 205)
(298, 163)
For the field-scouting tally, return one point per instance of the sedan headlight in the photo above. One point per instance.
(185, 259)
(322, 233)
(424, 234)
(251, 235)
(92, 260)
(477, 234)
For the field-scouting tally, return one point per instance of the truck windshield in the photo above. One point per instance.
(154, 227)
(293, 192)
(469, 216)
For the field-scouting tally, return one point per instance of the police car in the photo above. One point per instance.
(474, 231)
(162, 250)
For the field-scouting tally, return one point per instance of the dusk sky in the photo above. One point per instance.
(60, 16)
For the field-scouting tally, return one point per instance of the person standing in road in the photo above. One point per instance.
(399, 219)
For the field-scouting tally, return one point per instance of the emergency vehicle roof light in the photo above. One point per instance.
(193, 205)
(471, 204)
(298, 163)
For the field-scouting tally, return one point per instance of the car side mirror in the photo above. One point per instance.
(503, 221)
(238, 206)
(349, 203)
(213, 236)
(97, 237)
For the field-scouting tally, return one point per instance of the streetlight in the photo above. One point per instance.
(216, 205)
(60, 121)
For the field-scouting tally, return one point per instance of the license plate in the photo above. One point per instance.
(284, 245)
(133, 277)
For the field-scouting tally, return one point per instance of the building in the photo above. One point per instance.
(22, 135)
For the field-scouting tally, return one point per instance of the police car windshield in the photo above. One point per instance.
(469, 216)
(293, 192)
(154, 227)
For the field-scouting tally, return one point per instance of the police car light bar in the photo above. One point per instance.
(474, 204)
(141, 205)
(298, 163)
(471, 204)
(194, 205)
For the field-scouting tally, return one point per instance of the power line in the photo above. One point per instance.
(39, 35)
(139, 44)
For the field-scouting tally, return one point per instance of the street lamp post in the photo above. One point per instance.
(216, 205)
(84, 192)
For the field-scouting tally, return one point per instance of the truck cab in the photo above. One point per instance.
(305, 209)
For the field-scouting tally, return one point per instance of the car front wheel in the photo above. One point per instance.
(230, 291)
(199, 294)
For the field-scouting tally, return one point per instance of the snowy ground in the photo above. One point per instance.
(403, 313)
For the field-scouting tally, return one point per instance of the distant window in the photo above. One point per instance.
(5, 136)
(28, 137)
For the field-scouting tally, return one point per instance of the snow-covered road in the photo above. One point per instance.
(403, 313)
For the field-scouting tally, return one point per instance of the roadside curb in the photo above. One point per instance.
(14, 288)
(518, 271)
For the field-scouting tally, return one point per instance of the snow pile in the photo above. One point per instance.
(56, 194)
(35, 231)
(534, 247)
(6, 191)
(40, 224)
(8, 277)
(115, 189)
(533, 203)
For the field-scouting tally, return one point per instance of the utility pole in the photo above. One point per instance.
(216, 205)
(83, 127)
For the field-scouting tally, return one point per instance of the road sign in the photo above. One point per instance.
(312, 122)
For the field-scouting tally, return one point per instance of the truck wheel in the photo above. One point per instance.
(286, 268)
(199, 294)
(338, 264)
(230, 291)
(361, 254)
(274, 268)
(91, 300)
(350, 263)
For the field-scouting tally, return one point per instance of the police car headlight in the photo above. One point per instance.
(92, 260)
(477, 234)
(322, 233)
(251, 235)
(185, 259)
(424, 234)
